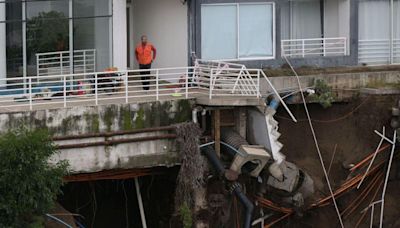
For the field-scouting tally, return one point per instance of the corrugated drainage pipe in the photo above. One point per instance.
(209, 152)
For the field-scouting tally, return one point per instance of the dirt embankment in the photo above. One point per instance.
(349, 128)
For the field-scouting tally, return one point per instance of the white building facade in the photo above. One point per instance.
(50, 37)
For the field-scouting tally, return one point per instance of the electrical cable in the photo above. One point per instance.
(316, 142)
(332, 120)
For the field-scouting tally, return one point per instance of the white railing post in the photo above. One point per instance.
(302, 47)
(126, 88)
(211, 83)
(258, 83)
(157, 85)
(30, 93)
(187, 83)
(65, 90)
(95, 90)
(61, 63)
(84, 61)
(345, 46)
(323, 46)
(37, 64)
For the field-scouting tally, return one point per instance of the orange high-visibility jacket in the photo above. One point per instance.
(144, 54)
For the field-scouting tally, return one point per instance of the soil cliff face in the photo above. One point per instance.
(346, 130)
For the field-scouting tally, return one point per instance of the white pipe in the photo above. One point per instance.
(316, 143)
(373, 158)
(194, 114)
(3, 63)
(387, 177)
(384, 137)
(139, 197)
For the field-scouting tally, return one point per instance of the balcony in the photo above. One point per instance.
(59, 63)
(300, 48)
(378, 51)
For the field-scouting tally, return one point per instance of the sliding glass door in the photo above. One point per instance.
(379, 32)
(70, 36)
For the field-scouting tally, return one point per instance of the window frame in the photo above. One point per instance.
(273, 56)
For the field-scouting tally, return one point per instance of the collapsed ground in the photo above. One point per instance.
(347, 126)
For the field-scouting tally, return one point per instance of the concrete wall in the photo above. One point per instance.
(143, 154)
(352, 59)
(119, 34)
(83, 120)
(105, 118)
(165, 24)
(341, 83)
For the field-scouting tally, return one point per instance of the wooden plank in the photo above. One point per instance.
(217, 131)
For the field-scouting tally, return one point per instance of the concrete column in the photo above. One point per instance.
(119, 35)
(3, 63)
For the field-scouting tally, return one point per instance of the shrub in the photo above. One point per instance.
(323, 94)
(29, 185)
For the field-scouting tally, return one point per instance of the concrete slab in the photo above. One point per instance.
(228, 101)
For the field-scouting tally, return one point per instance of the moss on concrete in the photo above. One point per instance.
(183, 111)
(140, 118)
(69, 124)
(92, 122)
(109, 116)
(126, 118)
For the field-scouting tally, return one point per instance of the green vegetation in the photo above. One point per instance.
(139, 121)
(186, 216)
(323, 94)
(29, 185)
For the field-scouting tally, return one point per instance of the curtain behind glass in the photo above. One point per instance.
(285, 20)
(396, 31)
(218, 32)
(306, 19)
(255, 30)
(373, 20)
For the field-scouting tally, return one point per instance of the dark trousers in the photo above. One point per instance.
(145, 76)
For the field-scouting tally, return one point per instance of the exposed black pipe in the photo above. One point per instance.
(212, 157)
(237, 190)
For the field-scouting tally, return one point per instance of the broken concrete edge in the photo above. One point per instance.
(104, 118)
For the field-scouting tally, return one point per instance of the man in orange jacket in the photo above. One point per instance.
(145, 54)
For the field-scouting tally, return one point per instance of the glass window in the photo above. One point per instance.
(396, 31)
(219, 31)
(237, 31)
(47, 9)
(47, 29)
(11, 55)
(93, 34)
(91, 8)
(374, 32)
(255, 40)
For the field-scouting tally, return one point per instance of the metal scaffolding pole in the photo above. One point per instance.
(139, 198)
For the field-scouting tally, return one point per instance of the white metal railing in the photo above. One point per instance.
(377, 51)
(210, 79)
(226, 79)
(59, 63)
(336, 46)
